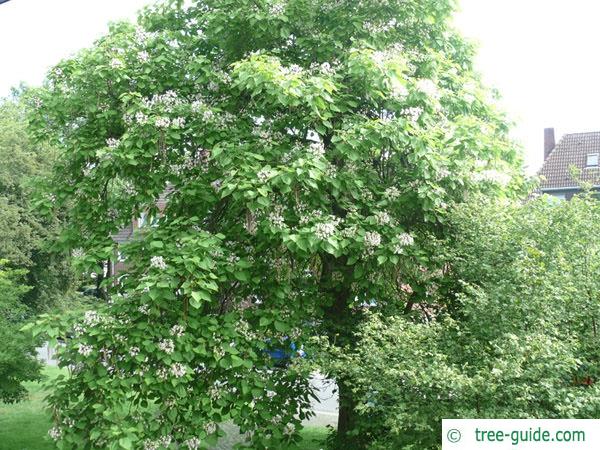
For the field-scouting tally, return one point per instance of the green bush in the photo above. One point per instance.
(17, 352)
(515, 335)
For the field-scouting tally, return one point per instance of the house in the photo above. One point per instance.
(117, 264)
(579, 151)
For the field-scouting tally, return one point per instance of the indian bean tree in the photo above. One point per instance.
(308, 151)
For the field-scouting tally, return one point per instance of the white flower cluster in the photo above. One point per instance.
(383, 218)
(399, 91)
(276, 8)
(158, 262)
(413, 114)
(197, 105)
(316, 149)
(208, 115)
(429, 88)
(112, 142)
(193, 443)
(271, 394)
(143, 56)
(325, 68)
(167, 346)
(178, 122)
(264, 174)
(178, 370)
(374, 28)
(116, 63)
(162, 122)
(210, 428)
(162, 373)
(372, 239)
(151, 445)
(165, 441)
(144, 309)
(141, 118)
(134, 351)
(177, 330)
(325, 230)
(91, 318)
(85, 350)
(55, 433)
(404, 240)
(169, 100)
(142, 36)
(216, 185)
(276, 218)
(289, 429)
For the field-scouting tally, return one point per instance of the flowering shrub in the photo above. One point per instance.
(305, 148)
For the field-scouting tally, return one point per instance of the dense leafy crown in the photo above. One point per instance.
(307, 147)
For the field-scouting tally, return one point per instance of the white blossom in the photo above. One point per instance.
(316, 149)
(177, 330)
(91, 318)
(325, 230)
(413, 114)
(405, 239)
(162, 122)
(158, 262)
(141, 118)
(134, 351)
(178, 122)
(429, 88)
(165, 441)
(210, 428)
(372, 239)
(216, 185)
(192, 443)
(143, 56)
(167, 346)
(383, 218)
(144, 309)
(85, 350)
(271, 394)
(112, 142)
(116, 63)
(178, 370)
(197, 106)
(208, 115)
(151, 445)
(277, 220)
(55, 433)
(289, 429)
(277, 8)
(263, 175)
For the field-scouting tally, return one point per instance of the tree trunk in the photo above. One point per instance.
(341, 323)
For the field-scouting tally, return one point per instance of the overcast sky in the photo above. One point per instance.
(541, 54)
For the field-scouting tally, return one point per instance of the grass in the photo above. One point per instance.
(24, 426)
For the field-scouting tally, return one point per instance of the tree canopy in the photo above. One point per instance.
(309, 151)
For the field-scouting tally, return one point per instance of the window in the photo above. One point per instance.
(592, 160)
(560, 196)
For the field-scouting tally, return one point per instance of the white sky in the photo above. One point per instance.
(541, 54)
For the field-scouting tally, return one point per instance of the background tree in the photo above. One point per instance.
(18, 361)
(310, 151)
(26, 234)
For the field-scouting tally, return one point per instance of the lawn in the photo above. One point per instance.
(24, 426)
